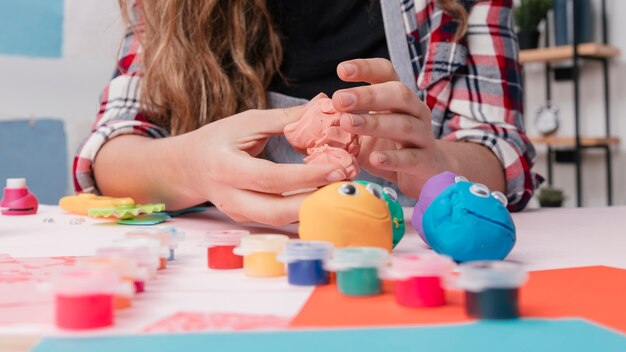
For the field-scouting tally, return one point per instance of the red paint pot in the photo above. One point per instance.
(418, 279)
(222, 257)
(84, 298)
(423, 291)
(220, 245)
(140, 286)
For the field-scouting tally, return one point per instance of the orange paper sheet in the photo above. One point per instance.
(593, 293)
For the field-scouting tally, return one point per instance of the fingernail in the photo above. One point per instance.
(382, 158)
(346, 99)
(336, 175)
(356, 120)
(348, 69)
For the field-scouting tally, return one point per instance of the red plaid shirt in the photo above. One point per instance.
(472, 86)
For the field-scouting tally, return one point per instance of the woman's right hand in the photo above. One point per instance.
(225, 170)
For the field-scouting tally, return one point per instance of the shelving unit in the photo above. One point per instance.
(578, 52)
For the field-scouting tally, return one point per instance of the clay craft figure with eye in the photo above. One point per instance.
(395, 209)
(347, 214)
(464, 220)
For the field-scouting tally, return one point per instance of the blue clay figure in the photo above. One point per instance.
(395, 209)
(465, 221)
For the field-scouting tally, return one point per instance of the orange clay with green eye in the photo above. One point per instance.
(348, 215)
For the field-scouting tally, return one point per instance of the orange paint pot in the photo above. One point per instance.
(162, 263)
(260, 255)
(121, 302)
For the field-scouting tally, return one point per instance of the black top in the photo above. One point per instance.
(318, 35)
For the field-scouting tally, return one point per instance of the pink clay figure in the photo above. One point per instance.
(319, 135)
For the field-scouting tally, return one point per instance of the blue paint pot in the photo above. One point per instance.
(305, 262)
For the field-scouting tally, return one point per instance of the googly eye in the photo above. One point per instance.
(375, 190)
(500, 197)
(480, 190)
(348, 189)
(458, 179)
(391, 193)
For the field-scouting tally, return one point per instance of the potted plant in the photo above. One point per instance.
(550, 197)
(528, 15)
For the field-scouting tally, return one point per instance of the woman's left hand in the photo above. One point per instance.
(394, 126)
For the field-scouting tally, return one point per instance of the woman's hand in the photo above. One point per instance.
(225, 170)
(396, 136)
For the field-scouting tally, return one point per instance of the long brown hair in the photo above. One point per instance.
(203, 60)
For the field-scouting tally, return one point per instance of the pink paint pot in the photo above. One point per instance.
(84, 298)
(220, 246)
(419, 279)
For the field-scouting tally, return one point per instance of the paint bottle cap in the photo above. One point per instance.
(296, 250)
(15, 183)
(169, 236)
(84, 281)
(261, 243)
(155, 247)
(358, 257)
(126, 268)
(163, 238)
(482, 275)
(419, 265)
(143, 255)
(224, 238)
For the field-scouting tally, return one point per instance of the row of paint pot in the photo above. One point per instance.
(87, 295)
(491, 287)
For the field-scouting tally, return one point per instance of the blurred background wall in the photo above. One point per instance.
(57, 55)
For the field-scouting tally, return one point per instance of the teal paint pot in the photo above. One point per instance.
(357, 270)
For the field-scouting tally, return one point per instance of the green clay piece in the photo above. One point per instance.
(126, 212)
(395, 209)
(359, 282)
(145, 220)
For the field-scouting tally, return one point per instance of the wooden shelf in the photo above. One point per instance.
(570, 141)
(565, 52)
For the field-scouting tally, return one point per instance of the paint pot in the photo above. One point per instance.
(154, 246)
(147, 262)
(17, 199)
(260, 255)
(84, 298)
(169, 237)
(492, 288)
(419, 279)
(305, 262)
(126, 270)
(357, 270)
(220, 246)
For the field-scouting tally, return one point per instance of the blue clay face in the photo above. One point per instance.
(467, 222)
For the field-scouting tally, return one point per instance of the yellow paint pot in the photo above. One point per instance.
(259, 255)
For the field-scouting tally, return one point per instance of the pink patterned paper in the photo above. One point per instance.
(23, 298)
(197, 321)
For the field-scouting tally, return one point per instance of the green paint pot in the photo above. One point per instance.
(357, 270)
(359, 282)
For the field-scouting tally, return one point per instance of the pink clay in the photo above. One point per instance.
(319, 135)
(331, 155)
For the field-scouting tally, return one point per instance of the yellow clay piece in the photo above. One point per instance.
(347, 220)
(263, 264)
(81, 203)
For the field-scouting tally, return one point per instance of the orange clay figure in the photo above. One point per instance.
(347, 214)
(319, 135)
